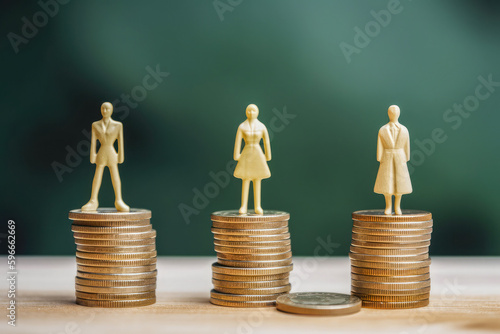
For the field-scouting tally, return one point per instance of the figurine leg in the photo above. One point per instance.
(244, 195)
(117, 186)
(93, 204)
(388, 204)
(397, 204)
(256, 197)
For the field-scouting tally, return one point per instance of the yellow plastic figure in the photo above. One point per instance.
(252, 165)
(393, 151)
(107, 131)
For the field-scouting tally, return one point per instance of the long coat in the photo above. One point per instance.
(393, 153)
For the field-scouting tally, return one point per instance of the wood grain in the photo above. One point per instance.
(465, 298)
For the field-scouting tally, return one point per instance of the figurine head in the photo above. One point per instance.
(252, 111)
(106, 109)
(393, 113)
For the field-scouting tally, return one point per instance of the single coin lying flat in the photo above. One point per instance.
(318, 303)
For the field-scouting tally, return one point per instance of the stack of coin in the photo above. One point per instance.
(390, 258)
(115, 256)
(254, 258)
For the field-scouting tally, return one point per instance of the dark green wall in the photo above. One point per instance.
(281, 55)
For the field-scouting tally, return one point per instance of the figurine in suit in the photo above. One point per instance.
(252, 162)
(393, 151)
(107, 131)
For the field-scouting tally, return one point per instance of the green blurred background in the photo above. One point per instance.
(286, 57)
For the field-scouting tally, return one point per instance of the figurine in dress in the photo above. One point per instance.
(106, 131)
(393, 151)
(252, 161)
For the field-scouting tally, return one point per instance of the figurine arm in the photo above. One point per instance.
(121, 156)
(380, 148)
(93, 140)
(267, 144)
(237, 145)
(407, 149)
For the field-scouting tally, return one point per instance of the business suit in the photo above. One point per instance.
(107, 135)
(106, 131)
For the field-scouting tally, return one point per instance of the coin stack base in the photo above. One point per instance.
(116, 258)
(254, 258)
(390, 258)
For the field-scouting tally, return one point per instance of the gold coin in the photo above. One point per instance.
(261, 291)
(115, 277)
(121, 289)
(116, 236)
(318, 303)
(254, 257)
(115, 296)
(224, 270)
(116, 256)
(390, 226)
(396, 305)
(392, 286)
(389, 279)
(235, 216)
(117, 283)
(252, 285)
(251, 226)
(115, 303)
(391, 232)
(380, 216)
(116, 263)
(254, 264)
(388, 258)
(110, 230)
(408, 298)
(255, 245)
(116, 270)
(382, 292)
(242, 298)
(116, 243)
(249, 250)
(389, 252)
(110, 214)
(392, 265)
(252, 238)
(237, 278)
(220, 302)
(120, 223)
(389, 272)
(269, 231)
(391, 238)
(390, 245)
(114, 250)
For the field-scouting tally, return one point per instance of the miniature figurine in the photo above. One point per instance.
(107, 131)
(393, 151)
(252, 165)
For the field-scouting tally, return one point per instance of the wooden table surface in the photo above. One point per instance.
(465, 297)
